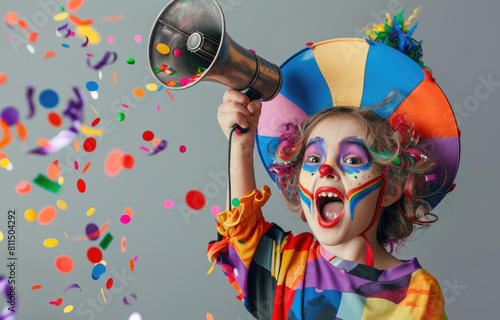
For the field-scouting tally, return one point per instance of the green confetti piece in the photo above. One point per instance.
(241, 241)
(47, 184)
(158, 70)
(121, 116)
(106, 241)
(235, 202)
(62, 8)
(130, 61)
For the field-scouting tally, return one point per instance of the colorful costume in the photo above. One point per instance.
(282, 276)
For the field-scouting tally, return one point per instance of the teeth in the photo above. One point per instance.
(328, 194)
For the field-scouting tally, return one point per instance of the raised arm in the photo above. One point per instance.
(237, 109)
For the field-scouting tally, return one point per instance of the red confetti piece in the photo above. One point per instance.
(57, 302)
(94, 254)
(132, 266)
(49, 54)
(128, 161)
(109, 283)
(22, 24)
(86, 167)
(89, 144)
(195, 200)
(171, 96)
(95, 122)
(64, 264)
(182, 149)
(79, 22)
(80, 184)
(36, 287)
(32, 36)
(54, 119)
(3, 78)
(148, 135)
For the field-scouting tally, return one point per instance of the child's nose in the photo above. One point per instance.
(326, 170)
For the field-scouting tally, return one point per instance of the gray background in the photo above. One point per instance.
(170, 278)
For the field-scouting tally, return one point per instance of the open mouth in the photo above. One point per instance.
(329, 205)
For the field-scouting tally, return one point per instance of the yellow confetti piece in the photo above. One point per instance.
(30, 215)
(50, 243)
(61, 16)
(103, 262)
(60, 180)
(68, 309)
(163, 48)
(66, 235)
(211, 268)
(4, 162)
(90, 211)
(91, 131)
(151, 87)
(62, 204)
(1, 236)
(103, 296)
(89, 32)
(94, 109)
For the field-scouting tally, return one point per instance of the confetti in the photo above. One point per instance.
(162, 145)
(121, 116)
(64, 264)
(241, 241)
(109, 283)
(94, 254)
(91, 131)
(135, 316)
(90, 211)
(74, 5)
(30, 215)
(72, 286)
(48, 99)
(235, 202)
(47, 215)
(22, 24)
(49, 54)
(66, 235)
(182, 149)
(211, 268)
(106, 241)
(128, 161)
(156, 142)
(3, 78)
(76, 165)
(163, 48)
(65, 45)
(68, 309)
(79, 22)
(215, 210)
(158, 108)
(53, 170)
(177, 52)
(148, 135)
(94, 95)
(86, 167)
(32, 36)
(61, 16)
(1, 236)
(168, 204)
(210, 316)
(113, 163)
(89, 32)
(125, 219)
(126, 300)
(195, 199)
(54, 119)
(128, 212)
(81, 186)
(132, 266)
(50, 243)
(113, 18)
(110, 39)
(47, 184)
(151, 87)
(95, 122)
(139, 92)
(138, 38)
(23, 187)
(103, 297)
(36, 287)
(57, 302)
(144, 149)
(89, 144)
(98, 271)
(10, 17)
(109, 58)
(131, 61)
(60, 181)
(114, 76)
(92, 86)
(92, 231)
(61, 204)
(124, 244)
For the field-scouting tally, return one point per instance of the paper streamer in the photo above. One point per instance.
(7, 314)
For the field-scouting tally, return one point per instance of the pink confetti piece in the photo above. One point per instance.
(138, 38)
(158, 108)
(76, 165)
(110, 39)
(144, 148)
(125, 219)
(125, 106)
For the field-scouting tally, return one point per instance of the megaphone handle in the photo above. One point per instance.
(253, 95)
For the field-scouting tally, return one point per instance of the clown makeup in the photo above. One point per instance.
(353, 156)
(314, 157)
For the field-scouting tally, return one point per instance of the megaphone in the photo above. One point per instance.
(188, 44)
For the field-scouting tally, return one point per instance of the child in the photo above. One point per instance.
(361, 175)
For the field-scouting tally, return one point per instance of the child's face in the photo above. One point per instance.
(339, 200)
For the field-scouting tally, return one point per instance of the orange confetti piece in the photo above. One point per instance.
(124, 244)
(86, 167)
(132, 267)
(3, 78)
(53, 170)
(74, 5)
(42, 142)
(156, 142)
(32, 36)
(113, 18)
(21, 131)
(64, 264)
(79, 22)
(49, 54)
(2, 155)
(11, 17)
(23, 187)
(22, 24)
(114, 76)
(6, 134)
(210, 316)
(36, 287)
(139, 92)
(128, 212)
(113, 163)
(47, 215)
(171, 96)
(76, 144)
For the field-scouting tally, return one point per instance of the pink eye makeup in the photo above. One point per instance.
(314, 155)
(353, 156)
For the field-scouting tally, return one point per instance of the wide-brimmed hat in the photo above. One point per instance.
(362, 73)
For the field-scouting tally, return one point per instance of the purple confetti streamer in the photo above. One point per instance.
(160, 147)
(104, 61)
(125, 301)
(86, 42)
(29, 96)
(71, 286)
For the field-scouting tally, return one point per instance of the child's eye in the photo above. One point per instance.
(313, 159)
(353, 160)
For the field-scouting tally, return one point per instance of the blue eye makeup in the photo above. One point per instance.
(353, 155)
(314, 155)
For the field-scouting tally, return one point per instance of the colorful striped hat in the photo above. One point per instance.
(362, 73)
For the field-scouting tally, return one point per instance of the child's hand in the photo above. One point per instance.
(237, 109)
